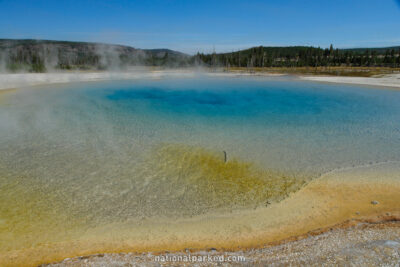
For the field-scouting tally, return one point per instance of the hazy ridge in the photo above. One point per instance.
(45, 55)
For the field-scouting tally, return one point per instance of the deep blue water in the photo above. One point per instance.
(250, 99)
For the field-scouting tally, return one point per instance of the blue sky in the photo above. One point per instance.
(192, 25)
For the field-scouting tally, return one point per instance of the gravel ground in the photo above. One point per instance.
(360, 245)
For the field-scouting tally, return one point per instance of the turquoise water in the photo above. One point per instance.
(117, 151)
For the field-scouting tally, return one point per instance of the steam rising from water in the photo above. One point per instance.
(50, 56)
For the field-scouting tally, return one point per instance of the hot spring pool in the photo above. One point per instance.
(78, 156)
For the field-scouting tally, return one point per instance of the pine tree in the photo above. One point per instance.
(393, 58)
(398, 58)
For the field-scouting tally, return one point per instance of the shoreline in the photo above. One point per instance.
(332, 239)
(388, 81)
(20, 80)
(338, 198)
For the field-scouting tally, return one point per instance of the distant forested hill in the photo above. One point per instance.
(301, 56)
(44, 55)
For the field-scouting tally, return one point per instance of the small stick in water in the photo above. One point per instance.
(225, 157)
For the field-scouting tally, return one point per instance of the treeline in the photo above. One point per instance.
(42, 55)
(302, 56)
